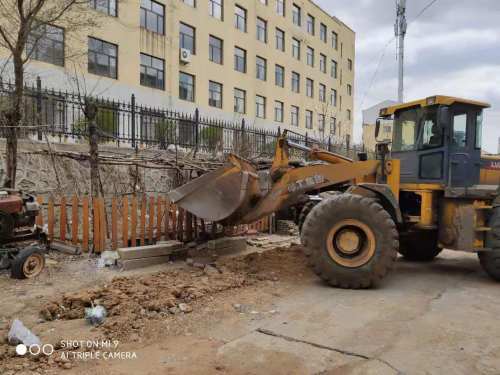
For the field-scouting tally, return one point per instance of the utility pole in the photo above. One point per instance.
(400, 31)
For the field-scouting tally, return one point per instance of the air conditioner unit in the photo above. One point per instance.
(185, 56)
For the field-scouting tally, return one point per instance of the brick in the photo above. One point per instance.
(160, 249)
(132, 264)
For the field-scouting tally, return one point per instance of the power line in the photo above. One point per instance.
(424, 9)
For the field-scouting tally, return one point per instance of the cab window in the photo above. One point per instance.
(432, 133)
(479, 130)
(460, 130)
(405, 130)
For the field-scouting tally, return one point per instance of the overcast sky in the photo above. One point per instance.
(452, 49)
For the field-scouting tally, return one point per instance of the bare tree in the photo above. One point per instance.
(24, 24)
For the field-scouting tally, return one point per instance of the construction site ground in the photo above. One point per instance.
(255, 313)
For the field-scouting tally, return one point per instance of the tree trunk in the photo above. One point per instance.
(91, 113)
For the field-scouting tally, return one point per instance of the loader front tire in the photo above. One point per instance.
(352, 241)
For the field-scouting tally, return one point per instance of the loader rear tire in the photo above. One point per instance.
(490, 260)
(352, 241)
(421, 246)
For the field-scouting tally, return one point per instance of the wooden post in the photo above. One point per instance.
(125, 222)
(143, 220)
(133, 223)
(151, 219)
(62, 219)
(173, 234)
(102, 224)
(39, 218)
(95, 220)
(159, 214)
(74, 220)
(85, 224)
(180, 224)
(114, 224)
(50, 218)
(167, 218)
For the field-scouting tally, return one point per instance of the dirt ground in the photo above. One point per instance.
(253, 314)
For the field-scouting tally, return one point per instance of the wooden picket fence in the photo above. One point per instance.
(101, 224)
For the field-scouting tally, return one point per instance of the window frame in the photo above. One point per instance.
(33, 47)
(214, 4)
(236, 99)
(259, 68)
(103, 42)
(261, 29)
(296, 49)
(309, 119)
(211, 48)
(295, 115)
(280, 32)
(258, 105)
(296, 75)
(281, 13)
(309, 88)
(323, 32)
(278, 68)
(192, 85)
(279, 110)
(183, 36)
(157, 15)
(153, 58)
(238, 17)
(237, 58)
(210, 91)
(93, 4)
(296, 15)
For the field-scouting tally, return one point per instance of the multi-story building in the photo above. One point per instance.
(275, 63)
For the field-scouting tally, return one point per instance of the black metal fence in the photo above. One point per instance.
(62, 114)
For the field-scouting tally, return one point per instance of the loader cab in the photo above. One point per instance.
(438, 140)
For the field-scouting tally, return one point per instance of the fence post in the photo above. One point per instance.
(39, 106)
(196, 128)
(132, 113)
(330, 144)
(306, 139)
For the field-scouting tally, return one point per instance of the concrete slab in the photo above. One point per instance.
(132, 264)
(160, 249)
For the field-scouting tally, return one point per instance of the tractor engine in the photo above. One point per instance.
(17, 210)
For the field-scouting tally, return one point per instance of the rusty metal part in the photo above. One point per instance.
(33, 265)
(11, 203)
(351, 243)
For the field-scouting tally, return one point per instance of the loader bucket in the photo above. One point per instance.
(219, 195)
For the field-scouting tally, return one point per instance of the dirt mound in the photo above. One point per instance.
(130, 301)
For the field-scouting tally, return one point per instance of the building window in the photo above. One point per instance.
(335, 41)
(349, 90)
(187, 37)
(309, 119)
(296, 48)
(322, 63)
(186, 87)
(278, 111)
(240, 18)
(323, 32)
(280, 40)
(153, 16)
(263, 2)
(240, 60)
(333, 126)
(295, 82)
(108, 7)
(309, 87)
(333, 98)
(152, 72)
(279, 75)
(260, 106)
(296, 15)
(261, 30)
(349, 64)
(310, 24)
(102, 58)
(333, 71)
(349, 114)
(191, 3)
(322, 93)
(215, 49)
(294, 116)
(280, 7)
(215, 8)
(240, 100)
(321, 122)
(310, 56)
(46, 43)
(261, 68)
(214, 94)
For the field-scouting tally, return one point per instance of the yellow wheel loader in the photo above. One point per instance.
(425, 191)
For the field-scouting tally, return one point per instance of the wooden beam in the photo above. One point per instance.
(114, 224)
(85, 224)
(125, 222)
(74, 220)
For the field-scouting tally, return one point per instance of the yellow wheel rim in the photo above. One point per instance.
(33, 265)
(351, 243)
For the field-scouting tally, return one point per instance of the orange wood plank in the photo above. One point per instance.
(159, 215)
(114, 224)
(50, 218)
(62, 219)
(133, 223)
(39, 218)
(102, 224)
(166, 218)
(74, 220)
(85, 224)
(125, 222)
(173, 233)
(143, 220)
(151, 218)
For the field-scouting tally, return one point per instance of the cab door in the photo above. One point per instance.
(464, 156)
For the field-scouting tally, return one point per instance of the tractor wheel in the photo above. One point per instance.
(28, 263)
(352, 240)
(490, 260)
(421, 246)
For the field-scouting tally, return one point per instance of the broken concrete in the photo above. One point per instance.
(160, 249)
(227, 245)
(65, 248)
(132, 264)
(19, 334)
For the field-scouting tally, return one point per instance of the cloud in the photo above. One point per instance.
(452, 49)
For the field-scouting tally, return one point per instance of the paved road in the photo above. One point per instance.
(435, 318)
